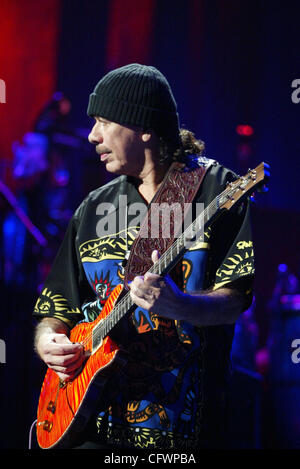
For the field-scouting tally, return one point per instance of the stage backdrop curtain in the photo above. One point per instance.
(28, 50)
(130, 30)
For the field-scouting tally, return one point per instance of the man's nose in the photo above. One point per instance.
(95, 135)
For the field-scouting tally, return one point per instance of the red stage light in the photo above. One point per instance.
(245, 130)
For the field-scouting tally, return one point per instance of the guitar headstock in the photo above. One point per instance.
(255, 180)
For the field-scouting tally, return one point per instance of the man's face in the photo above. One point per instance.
(121, 148)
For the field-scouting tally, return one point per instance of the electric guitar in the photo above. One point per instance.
(65, 408)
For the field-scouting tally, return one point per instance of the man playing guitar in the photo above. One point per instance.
(171, 393)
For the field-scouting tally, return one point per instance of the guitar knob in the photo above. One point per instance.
(47, 426)
(51, 407)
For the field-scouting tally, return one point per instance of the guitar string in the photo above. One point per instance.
(99, 327)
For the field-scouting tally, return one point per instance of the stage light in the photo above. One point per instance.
(282, 268)
(245, 130)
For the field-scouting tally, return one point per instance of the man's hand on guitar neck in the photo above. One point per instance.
(56, 350)
(206, 308)
(158, 294)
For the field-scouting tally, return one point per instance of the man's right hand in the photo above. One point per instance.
(57, 351)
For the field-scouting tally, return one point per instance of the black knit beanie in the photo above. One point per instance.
(137, 95)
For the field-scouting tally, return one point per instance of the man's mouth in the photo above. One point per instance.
(103, 153)
(103, 156)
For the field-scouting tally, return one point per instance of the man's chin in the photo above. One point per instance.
(113, 168)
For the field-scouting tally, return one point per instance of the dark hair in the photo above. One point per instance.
(190, 145)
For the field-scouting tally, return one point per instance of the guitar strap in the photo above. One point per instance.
(180, 186)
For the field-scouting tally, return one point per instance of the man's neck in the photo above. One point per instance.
(150, 182)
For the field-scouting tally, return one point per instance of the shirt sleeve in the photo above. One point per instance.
(66, 287)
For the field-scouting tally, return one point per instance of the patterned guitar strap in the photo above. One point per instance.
(180, 186)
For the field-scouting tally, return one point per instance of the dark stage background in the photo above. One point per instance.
(231, 65)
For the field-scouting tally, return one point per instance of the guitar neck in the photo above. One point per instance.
(186, 240)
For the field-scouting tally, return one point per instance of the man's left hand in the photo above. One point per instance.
(157, 294)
